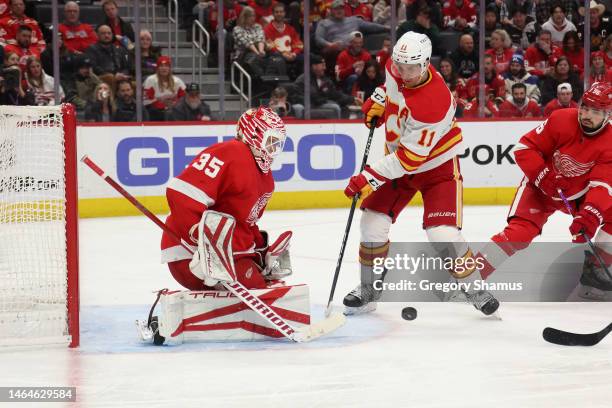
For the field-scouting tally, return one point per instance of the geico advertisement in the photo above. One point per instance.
(316, 156)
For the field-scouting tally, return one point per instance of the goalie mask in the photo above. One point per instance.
(411, 55)
(594, 111)
(264, 132)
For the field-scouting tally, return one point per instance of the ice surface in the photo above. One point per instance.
(450, 356)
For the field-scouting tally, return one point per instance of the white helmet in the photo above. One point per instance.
(413, 48)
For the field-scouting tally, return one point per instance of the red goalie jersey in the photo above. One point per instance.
(585, 161)
(225, 178)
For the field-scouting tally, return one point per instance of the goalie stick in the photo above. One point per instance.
(298, 335)
(366, 153)
(565, 338)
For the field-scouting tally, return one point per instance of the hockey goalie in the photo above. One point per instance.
(215, 204)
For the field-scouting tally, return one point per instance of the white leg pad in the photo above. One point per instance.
(374, 226)
(196, 316)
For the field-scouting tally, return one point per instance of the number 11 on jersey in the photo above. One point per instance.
(426, 137)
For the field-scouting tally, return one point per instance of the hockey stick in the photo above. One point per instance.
(298, 335)
(564, 338)
(366, 153)
(569, 210)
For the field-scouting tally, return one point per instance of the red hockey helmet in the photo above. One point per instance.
(598, 96)
(264, 131)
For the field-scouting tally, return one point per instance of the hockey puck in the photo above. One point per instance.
(409, 313)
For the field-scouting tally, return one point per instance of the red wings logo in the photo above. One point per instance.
(567, 166)
(261, 203)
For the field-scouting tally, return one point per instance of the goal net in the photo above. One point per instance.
(38, 226)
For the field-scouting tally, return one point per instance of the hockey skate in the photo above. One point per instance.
(595, 283)
(361, 300)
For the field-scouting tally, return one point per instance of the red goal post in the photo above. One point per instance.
(39, 279)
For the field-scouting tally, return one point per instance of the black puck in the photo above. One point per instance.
(409, 313)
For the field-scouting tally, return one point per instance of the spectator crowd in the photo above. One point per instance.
(533, 62)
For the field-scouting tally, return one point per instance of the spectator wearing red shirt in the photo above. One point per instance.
(460, 14)
(123, 33)
(231, 11)
(501, 50)
(599, 71)
(519, 105)
(358, 9)
(24, 47)
(495, 87)
(384, 54)
(540, 58)
(470, 109)
(77, 36)
(4, 8)
(9, 26)
(284, 40)
(263, 11)
(574, 52)
(350, 62)
(562, 101)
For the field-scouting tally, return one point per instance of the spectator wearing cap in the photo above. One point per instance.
(77, 36)
(24, 47)
(333, 33)
(323, 92)
(521, 28)
(359, 9)
(540, 57)
(422, 24)
(149, 54)
(191, 107)
(126, 103)
(601, 26)
(162, 90)
(562, 101)
(518, 105)
(558, 24)
(460, 15)
(351, 62)
(123, 33)
(562, 73)
(283, 39)
(110, 62)
(465, 57)
(9, 26)
(501, 50)
(517, 74)
(599, 71)
(82, 87)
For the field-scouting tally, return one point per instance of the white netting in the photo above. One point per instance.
(33, 267)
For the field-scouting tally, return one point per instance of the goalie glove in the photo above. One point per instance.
(374, 107)
(276, 260)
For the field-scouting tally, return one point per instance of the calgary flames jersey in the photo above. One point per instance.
(420, 128)
(223, 177)
(561, 144)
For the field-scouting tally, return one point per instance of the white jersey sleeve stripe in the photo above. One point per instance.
(191, 191)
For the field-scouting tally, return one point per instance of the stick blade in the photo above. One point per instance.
(318, 329)
(564, 338)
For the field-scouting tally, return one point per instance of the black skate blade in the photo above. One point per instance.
(564, 338)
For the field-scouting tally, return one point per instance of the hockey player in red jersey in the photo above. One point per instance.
(232, 179)
(422, 143)
(570, 151)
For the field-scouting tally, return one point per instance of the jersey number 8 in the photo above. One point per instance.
(211, 166)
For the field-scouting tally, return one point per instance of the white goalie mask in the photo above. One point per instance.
(413, 49)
